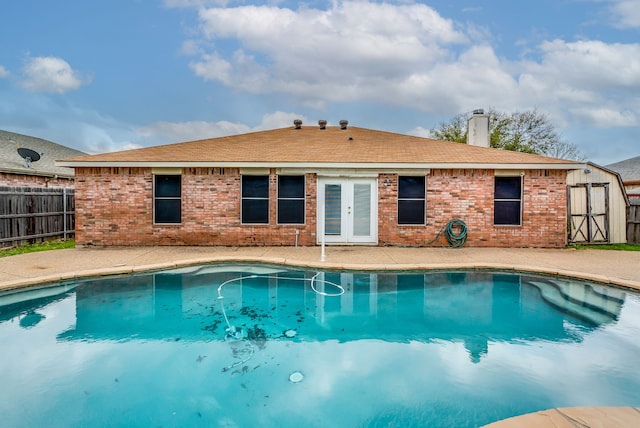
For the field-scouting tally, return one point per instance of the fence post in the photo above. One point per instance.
(64, 213)
(633, 222)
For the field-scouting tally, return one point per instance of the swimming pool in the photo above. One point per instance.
(261, 345)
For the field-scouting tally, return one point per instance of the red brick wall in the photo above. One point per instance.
(114, 206)
(468, 195)
(19, 180)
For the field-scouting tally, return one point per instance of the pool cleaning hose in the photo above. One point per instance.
(455, 239)
(240, 334)
(233, 333)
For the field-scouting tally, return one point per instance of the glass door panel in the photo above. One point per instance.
(332, 209)
(361, 209)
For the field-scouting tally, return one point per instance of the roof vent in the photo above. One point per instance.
(478, 111)
(297, 123)
(343, 124)
(322, 124)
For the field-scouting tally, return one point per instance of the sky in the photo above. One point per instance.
(102, 76)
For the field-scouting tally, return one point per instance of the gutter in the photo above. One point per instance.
(37, 173)
(325, 165)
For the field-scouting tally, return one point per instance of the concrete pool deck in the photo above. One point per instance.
(620, 268)
(610, 267)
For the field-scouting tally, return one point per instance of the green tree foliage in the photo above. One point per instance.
(528, 131)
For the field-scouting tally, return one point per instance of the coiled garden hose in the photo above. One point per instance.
(455, 239)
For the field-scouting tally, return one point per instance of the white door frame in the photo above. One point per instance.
(348, 231)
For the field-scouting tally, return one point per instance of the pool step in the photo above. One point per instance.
(593, 303)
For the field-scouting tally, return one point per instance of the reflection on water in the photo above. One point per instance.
(200, 346)
(470, 307)
(17, 302)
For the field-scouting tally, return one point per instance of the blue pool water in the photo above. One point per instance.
(261, 345)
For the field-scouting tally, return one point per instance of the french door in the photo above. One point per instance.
(347, 210)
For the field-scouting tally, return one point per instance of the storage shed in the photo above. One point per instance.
(596, 206)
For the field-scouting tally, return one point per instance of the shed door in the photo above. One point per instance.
(588, 205)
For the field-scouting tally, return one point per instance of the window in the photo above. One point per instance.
(291, 199)
(255, 199)
(167, 202)
(411, 200)
(507, 206)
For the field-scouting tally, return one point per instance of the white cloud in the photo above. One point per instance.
(279, 119)
(213, 67)
(241, 71)
(88, 130)
(420, 132)
(190, 48)
(196, 130)
(408, 55)
(4, 72)
(626, 13)
(474, 79)
(335, 54)
(590, 81)
(192, 130)
(593, 64)
(50, 74)
(605, 117)
(102, 138)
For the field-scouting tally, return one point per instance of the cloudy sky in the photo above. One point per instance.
(108, 75)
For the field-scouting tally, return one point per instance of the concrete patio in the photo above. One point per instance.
(611, 267)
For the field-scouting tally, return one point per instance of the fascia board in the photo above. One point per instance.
(33, 172)
(320, 165)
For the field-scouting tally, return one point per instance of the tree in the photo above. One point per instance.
(566, 150)
(529, 132)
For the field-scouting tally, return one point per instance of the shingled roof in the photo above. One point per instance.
(314, 147)
(629, 169)
(11, 162)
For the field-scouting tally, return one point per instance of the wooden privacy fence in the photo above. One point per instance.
(31, 214)
(633, 221)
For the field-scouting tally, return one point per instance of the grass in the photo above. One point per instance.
(70, 243)
(40, 246)
(619, 247)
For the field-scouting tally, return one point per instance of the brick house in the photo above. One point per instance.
(302, 184)
(15, 171)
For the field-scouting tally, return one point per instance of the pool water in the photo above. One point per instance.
(256, 345)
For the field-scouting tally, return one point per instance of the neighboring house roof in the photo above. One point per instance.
(629, 169)
(314, 147)
(11, 162)
(614, 174)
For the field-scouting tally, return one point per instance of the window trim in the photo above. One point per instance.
(243, 198)
(166, 198)
(423, 199)
(303, 199)
(520, 200)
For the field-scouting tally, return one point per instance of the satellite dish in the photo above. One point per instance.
(29, 155)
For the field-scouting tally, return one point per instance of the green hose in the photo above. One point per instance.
(455, 239)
